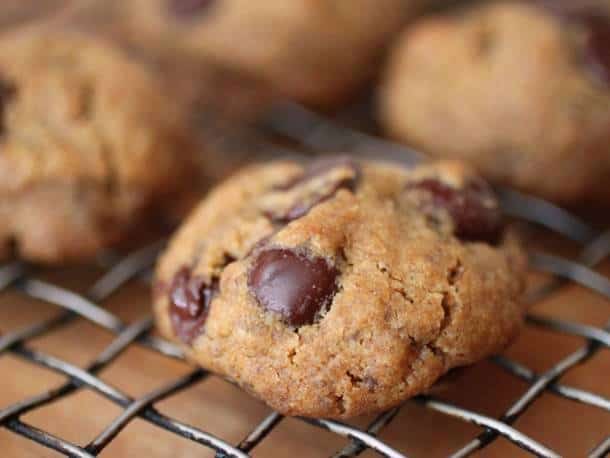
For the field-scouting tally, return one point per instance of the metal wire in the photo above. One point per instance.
(314, 132)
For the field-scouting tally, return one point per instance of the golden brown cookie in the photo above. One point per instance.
(313, 51)
(520, 89)
(90, 143)
(341, 288)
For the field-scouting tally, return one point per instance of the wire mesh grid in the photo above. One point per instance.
(316, 133)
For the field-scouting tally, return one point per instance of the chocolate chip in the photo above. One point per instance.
(474, 209)
(296, 286)
(190, 299)
(183, 9)
(319, 182)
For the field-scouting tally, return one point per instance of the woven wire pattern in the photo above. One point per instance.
(316, 134)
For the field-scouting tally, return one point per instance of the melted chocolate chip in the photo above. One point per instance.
(473, 208)
(183, 9)
(190, 299)
(295, 286)
(319, 182)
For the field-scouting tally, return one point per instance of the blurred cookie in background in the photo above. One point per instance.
(519, 89)
(314, 52)
(219, 102)
(92, 144)
(213, 91)
(17, 12)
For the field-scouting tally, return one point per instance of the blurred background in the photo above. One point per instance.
(518, 89)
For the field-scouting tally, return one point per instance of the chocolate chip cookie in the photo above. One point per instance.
(520, 89)
(90, 144)
(313, 51)
(339, 287)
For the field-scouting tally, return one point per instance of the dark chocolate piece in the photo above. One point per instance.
(474, 209)
(190, 299)
(295, 286)
(328, 186)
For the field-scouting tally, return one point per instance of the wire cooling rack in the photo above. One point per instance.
(314, 133)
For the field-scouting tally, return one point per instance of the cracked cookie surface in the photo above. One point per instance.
(90, 145)
(317, 52)
(520, 89)
(338, 288)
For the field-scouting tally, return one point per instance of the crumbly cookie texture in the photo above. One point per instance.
(521, 90)
(90, 143)
(340, 288)
(316, 51)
